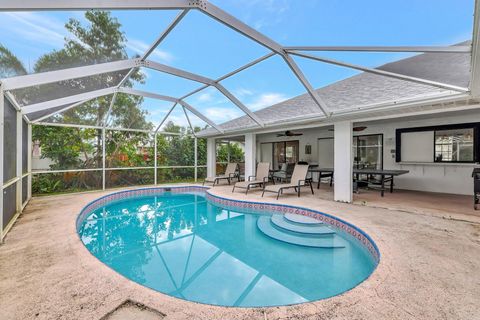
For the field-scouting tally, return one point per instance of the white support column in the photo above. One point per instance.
(250, 154)
(29, 161)
(475, 60)
(343, 161)
(18, 164)
(195, 155)
(2, 123)
(211, 157)
(103, 158)
(155, 158)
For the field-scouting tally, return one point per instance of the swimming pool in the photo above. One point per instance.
(191, 245)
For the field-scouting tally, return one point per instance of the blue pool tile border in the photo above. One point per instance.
(258, 207)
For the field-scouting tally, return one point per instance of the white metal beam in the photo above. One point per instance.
(188, 120)
(146, 94)
(35, 79)
(228, 75)
(171, 99)
(145, 55)
(209, 82)
(177, 72)
(157, 42)
(165, 118)
(419, 49)
(51, 5)
(2, 130)
(19, 163)
(239, 104)
(260, 38)
(382, 72)
(110, 108)
(67, 100)
(164, 34)
(10, 97)
(248, 65)
(200, 115)
(51, 114)
(475, 60)
(232, 22)
(311, 91)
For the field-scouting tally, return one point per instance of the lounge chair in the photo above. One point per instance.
(263, 171)
(230, 172)
(284, 173)
(299, 179)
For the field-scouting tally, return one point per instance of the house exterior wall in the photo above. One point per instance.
(434, 177)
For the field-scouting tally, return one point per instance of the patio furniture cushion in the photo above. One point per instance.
(299, 174)
(230, 170)
(263, 170)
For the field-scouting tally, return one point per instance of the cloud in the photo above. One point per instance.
(205, 97)
(242, 92)
(266, 100)
(264, 13)
(34, 27)
(221, 114)
(140, 47)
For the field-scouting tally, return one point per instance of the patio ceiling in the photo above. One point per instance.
(124, 68)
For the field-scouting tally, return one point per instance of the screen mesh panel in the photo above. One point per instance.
(175, 175)
(201, 173)
(133, 112)
(128, 149)
(53, 183)
(56, 90)
(10, 141)
(9, 206)
(175, 150)
(130, 177)
(62, 148)
(24, 189)
(90, 113)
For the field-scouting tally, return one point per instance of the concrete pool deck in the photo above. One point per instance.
(429, 268)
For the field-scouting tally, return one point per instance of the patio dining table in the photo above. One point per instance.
(385, 175)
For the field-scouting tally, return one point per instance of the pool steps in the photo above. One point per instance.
(310, 235)
(311, 229)
(301, 220)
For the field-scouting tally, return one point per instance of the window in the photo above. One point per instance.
(454, 145)
(457, 143)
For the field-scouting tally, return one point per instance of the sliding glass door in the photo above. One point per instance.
(368, 151)
(282, 152)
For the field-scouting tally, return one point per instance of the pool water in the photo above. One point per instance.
(187, 247)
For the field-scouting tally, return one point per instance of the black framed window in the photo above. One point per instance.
(455, 143)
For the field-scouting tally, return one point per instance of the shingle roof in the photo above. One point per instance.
(366, 88)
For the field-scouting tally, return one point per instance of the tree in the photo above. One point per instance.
(236, 152)
(10, 65)
(70, 148)
(101, 41)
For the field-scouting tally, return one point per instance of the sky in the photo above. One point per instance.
(206, 47)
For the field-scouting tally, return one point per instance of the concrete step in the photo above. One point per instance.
(303, 220)
(265, 225)
(308, 229)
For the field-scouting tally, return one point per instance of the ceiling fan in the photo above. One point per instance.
(355, 129)
(289, 133)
